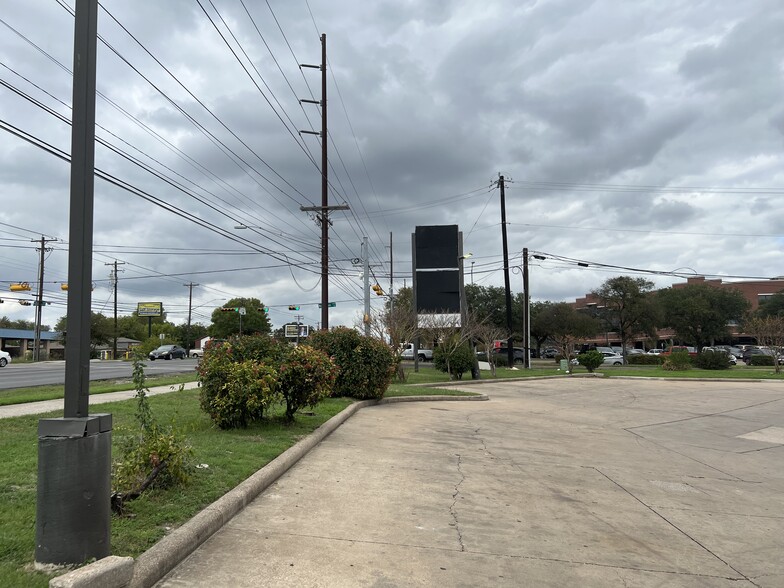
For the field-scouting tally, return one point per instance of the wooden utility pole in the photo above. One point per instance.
(322, 212)
(507, 290)
(114, 278)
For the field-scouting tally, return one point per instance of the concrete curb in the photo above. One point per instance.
(166, 554)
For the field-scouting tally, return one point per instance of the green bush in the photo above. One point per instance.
(644, 359)
(261, 348)
(461, 360)
(713, 360)
(591, 360)
(366, 364)
(677, 361)
(305, 378)
(236, 394)
(766, 360)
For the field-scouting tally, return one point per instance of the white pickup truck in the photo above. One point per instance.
(408, 353)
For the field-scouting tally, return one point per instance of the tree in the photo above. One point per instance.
(540, 328)
(699, 313)
(254, 320)
(101, 328)
(7, 323)
(567, 326)
(629, 307)
(489, 302)
(773, 306)
(769, 331)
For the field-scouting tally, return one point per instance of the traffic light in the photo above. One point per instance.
(224, 309)
(293, 307)
(263, 309)
(377, 289)
(19, 287)
(24, 302)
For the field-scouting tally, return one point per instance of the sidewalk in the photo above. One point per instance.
(15, 410)
(579, 482)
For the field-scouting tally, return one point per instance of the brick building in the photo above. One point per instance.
(755, 291)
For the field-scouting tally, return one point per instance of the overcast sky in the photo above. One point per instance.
(644, 135)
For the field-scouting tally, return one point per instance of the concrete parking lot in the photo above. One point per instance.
(578, 482)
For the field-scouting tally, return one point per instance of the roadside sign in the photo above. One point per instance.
(329, 304)
(149, 309)
(292, 331)
(242, 310)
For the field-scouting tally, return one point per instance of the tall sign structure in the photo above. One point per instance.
(73, 511)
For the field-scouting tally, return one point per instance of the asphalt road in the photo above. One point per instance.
(20, 375)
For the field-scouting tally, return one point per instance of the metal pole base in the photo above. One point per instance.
(73, 520)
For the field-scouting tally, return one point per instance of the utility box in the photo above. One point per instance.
(73, 511)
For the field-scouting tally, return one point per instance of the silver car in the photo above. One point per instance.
(5, 358)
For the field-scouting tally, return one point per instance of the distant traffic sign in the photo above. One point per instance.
(329, 304)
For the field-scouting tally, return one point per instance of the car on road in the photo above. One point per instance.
(168, 352)
(5, 358)
(408, 353)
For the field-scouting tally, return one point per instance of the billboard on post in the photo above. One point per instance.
(436, 252)
(150, 309)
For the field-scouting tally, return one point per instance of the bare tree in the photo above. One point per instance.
(394, 327)
(485, 332)
(769, 331)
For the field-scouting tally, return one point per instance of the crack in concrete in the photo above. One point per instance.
(452, 509)
(674, 526)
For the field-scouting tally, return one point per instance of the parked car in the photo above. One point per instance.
(635, 352)
(732, 358)
(655, 351)
(680, 348)
(549, 353)
(408, 353)
(518, 353)
(5, 358)
(752, 351)
(168, 352)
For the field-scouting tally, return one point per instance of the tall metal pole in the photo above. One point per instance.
(366, 274)
(324, 192)
(526, 312)
(507, 290)
(73, 511)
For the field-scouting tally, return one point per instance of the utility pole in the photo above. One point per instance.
(299, 318)
(113, 276)
(322, 212)
(190, 286)
(366, 288)
(507, 290)
(39, 304)
(526, 313)
(391, 278)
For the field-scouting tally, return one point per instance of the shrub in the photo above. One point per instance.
(713, 360)
(677, 361)
(461, 360)
(366, 364)
(590, 360)
(644, 359)
(261, 348)
(766, 360)
(305, 378)
(152, 456)
(245, 391)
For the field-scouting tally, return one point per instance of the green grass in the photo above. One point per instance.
(36, 393)
(232, 456)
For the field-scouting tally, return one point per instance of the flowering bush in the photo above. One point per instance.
(235, 392)
(306, 376)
